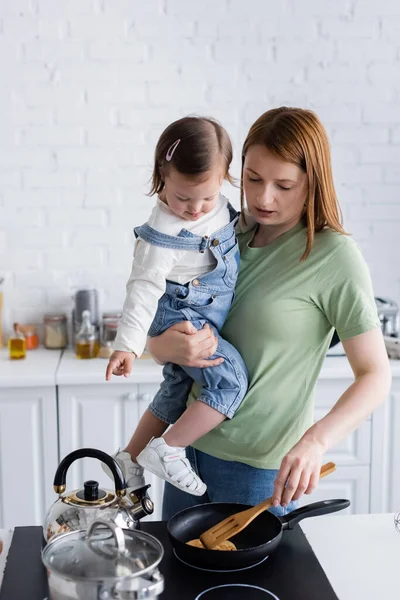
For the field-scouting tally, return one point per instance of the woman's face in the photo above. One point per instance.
(275, 191)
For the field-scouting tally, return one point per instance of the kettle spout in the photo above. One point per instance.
(142, 503)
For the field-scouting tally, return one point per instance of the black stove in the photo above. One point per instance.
(292, 572)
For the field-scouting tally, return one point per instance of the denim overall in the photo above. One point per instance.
(206, 299)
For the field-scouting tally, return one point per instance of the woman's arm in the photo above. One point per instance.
(300, 468)
(183, 345)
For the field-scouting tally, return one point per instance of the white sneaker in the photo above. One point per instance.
(172, 465)
(133, 472)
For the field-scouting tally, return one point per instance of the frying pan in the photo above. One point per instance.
(257, 541)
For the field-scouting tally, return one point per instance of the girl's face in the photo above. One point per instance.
(192, 197)
(276, 191)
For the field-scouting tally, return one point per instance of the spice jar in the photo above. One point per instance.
(16, 344)
(31, 337)
(55, 331)
(109, 333)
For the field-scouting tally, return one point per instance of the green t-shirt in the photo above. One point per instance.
(282, 321)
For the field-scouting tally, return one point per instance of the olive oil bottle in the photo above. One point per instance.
(17, 344)
(86, 341)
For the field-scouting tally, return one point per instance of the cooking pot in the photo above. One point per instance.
(77, 509)
(103, 562)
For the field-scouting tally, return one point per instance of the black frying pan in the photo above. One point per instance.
(254, 543)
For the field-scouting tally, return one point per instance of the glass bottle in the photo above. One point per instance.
(109, 333)
(86, 340)
(17, 344)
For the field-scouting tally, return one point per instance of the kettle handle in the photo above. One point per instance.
(61, 473)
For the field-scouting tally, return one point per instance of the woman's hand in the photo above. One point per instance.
(299, 472)
(183, 345)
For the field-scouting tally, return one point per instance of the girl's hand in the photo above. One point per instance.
(120, 363)
(299, 472)
(183, 345)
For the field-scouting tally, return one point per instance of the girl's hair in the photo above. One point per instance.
(297, 136)
(202, 142)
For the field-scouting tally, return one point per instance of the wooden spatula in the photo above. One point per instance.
(230, 526)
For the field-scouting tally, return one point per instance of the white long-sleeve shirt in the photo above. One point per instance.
(153, 265)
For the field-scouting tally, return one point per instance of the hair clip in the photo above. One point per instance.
(171, 150)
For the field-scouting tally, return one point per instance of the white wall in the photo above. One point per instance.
(88, 85)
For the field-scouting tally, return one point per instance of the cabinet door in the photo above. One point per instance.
(351, 483)
(392, 482)
(102, 417)
(145, 395)
(28, 454)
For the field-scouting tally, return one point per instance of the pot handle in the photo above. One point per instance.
(313, 510)
(61, 473)
(144, 588)
(116, 531)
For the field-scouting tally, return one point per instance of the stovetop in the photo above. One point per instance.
(292, 572)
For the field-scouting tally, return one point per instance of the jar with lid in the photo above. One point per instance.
(86, 340)
(109, 333)
(55, 331)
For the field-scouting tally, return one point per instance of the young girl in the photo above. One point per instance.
(184, 269)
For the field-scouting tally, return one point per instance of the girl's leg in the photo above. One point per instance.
(197, 420)
(149, 426)
(222, 390)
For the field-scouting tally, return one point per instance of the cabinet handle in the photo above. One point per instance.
(132, 397)
(145, 398)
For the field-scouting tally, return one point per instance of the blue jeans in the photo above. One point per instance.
(227, 481)
(205, 299)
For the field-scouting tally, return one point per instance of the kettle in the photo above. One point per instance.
(77, 509)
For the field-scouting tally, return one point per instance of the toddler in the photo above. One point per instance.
(185, 268)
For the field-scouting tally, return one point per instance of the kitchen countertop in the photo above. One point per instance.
(73, 371)
(49, 367)
(359, 554)
(37, 369)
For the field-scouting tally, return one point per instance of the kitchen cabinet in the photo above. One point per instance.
(28, 437)
(386, 446)
(50, 406)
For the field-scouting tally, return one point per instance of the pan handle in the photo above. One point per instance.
(313, 510)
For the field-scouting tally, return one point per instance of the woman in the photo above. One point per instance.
(300, 278)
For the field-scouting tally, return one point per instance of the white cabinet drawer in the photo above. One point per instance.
(350, 483)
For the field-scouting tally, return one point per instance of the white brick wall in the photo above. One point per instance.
(88, 85)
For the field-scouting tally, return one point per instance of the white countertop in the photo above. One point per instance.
(360, 554)
(37, 369)
(73, 371)
(43, 367)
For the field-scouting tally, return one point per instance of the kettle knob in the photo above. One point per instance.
(91, 490)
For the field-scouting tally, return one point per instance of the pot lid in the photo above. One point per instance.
(103, 551)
